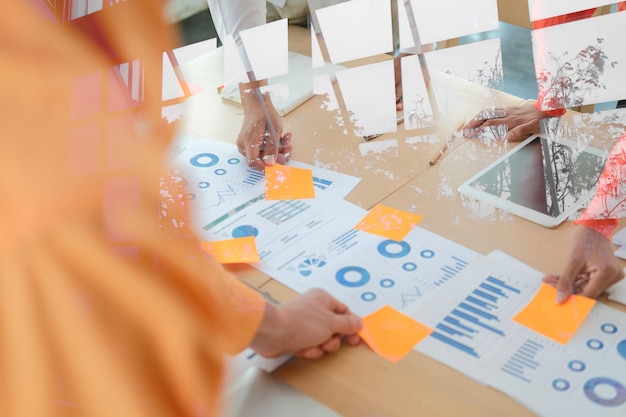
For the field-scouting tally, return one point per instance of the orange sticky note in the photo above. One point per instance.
(230, 251)
(559, 322)
(389, 222)
(288, 183)
(392, 334)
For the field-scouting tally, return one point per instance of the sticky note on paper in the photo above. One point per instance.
(288, 183)
(392, 334)
(559, 322)
(239, 250)
(389, 222)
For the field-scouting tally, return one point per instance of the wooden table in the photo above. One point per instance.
(355, 381)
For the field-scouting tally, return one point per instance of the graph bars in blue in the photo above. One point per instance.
(461, 346)
(523, 361)
(451, 269)
(502, 284)
(477, 316)
(254, 177)
(346, 240)
(321, 183)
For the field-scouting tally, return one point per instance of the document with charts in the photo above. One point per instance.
(475, 334)
(313, 243)
(219, 183)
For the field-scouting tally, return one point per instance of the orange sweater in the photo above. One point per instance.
(108, 307)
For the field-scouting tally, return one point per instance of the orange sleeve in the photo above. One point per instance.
(551, 113)
(609, 202)
(606, 226)
(108, 305)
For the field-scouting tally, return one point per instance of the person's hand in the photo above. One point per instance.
(308, 326)
(521, 122)
(261, 140)
(591, 266)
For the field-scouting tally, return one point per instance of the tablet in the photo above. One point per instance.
(540, 180)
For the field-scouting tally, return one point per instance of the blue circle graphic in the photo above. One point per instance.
(383, 249)
(595, 344)
(245, 231)
(196, 160)
(341, 276)
(368, 296)
(409, 266)
(234, 161)
(387, 283)
(621, 348)
(220, 171)
(609, 328)
(204, 184)
(576, 366)
(618, 399)
(560, 384)
(427, 253)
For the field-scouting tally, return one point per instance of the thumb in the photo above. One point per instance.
(564, 287)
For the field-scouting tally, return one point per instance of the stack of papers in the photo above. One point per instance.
(489, 317)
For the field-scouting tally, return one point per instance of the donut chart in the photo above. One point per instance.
(345, 276)
(393, 249)
(604, 385)
(245, 231)
(560, 384)
(204, 160)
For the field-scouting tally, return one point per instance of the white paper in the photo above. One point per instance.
(475, 334)
(618, 291)
(313, 243)
(219, 183)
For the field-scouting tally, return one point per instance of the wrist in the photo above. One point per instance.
(271, 336)
(603, 226)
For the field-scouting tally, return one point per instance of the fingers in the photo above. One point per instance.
(284, 153)
(255, 144)
(522, 131)
(345, 322)
(551, 280)
(597, 282)
(352, 339)
(330, 346)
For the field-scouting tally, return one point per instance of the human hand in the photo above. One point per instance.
(261, 140)
(308, 326)
(591, 266)
(521, 122)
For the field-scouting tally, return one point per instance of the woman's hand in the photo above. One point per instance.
(261, 139)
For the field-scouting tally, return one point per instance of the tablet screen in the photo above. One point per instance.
(550, 178)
